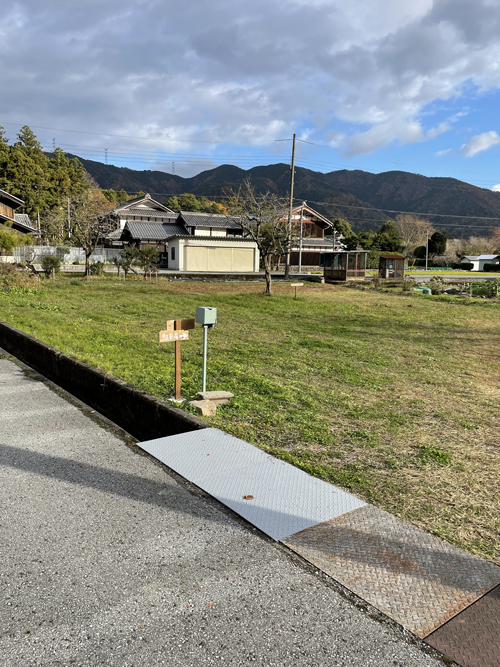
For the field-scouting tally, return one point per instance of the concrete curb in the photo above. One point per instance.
(140, 414)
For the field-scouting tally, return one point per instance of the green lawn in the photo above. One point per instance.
(392, 396)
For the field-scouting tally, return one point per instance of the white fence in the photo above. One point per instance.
(66, 255)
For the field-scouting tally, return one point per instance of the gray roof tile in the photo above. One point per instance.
(151, 213)
(153, 231)
(210, 220)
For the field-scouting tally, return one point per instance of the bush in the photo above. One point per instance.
(13, 280)
(408, 284)
(49, 263)
(491, 267)
(97, 269)
(436, 285)
(466, 266)
(77, 263)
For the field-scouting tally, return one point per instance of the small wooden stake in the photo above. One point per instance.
(178, 326)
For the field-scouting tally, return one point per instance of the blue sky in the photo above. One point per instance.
(371, 84)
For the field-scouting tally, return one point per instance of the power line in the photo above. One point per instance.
(118, 136)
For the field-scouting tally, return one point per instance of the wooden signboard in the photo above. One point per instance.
(184, 324)
(296, 285)
(176, 331)
(172, 336)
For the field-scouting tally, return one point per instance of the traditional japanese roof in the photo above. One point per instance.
(23, 219)
(322, 221)
(314, 241)
(12, 198)
(152, 213)
(132, 203)
(153, 231)
(209, 220)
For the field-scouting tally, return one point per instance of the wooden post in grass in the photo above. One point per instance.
(296, 285)
(177, 331)
(53, 275)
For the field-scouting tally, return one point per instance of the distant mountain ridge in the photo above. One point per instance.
(354, 195)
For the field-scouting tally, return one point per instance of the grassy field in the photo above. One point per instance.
(392, 396)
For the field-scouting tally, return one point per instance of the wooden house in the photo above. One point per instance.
(309, 228)
(18, 221)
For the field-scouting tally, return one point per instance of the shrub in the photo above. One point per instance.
(11, 279)
(77, 263)
(408, 284)
(436, 285)
(50, 262)
(491, 267)
(466, 266)
(97, 269)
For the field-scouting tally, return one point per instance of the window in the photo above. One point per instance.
(172, 253)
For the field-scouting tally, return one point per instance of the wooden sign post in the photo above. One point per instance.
(176, 332)
(296, 285)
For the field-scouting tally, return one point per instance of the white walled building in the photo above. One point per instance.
(212, 254)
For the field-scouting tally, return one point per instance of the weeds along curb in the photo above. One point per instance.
(140, 414)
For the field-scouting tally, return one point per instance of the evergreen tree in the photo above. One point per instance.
(437, 243)
(387, 238)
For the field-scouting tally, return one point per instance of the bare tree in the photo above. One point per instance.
(264, 220)
(413, 231)
(88, 224)
(473, 246)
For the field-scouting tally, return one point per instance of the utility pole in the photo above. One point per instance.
(69, 219)
(427, 251)
(301, 232)
(292, 175)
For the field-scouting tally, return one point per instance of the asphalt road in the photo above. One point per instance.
(107, 560)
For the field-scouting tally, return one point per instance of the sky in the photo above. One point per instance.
(377, 85)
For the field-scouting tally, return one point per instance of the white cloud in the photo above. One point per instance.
(246, 73)
(496, 188)
(479, 143)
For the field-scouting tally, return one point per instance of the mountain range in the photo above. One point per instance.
(365, 199)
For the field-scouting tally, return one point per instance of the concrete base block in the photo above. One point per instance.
(205, 408)
(215, 396)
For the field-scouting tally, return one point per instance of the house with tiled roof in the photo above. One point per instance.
(140, 209)
(19, 221)
(188, 241)
(309, 229)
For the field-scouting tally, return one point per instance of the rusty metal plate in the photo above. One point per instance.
(472, 639)
(411, 576)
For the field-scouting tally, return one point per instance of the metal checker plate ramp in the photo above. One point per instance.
(285, 500)
(472, 639)
(411, 576)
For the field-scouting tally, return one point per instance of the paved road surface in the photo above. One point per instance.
(107, 560)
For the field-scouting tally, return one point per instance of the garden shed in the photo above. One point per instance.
(344, 265)
(391, 265)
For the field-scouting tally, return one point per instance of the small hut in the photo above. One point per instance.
(391, 265)
(344, 265)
